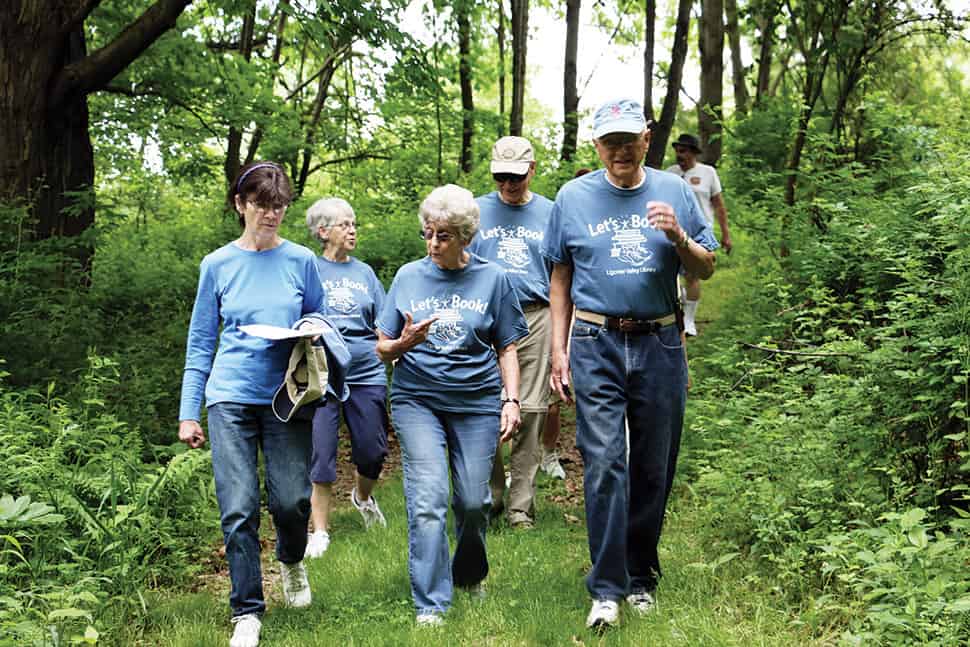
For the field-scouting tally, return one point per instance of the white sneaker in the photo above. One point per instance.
(641, 601)
(603, 614)
(508, 480)
(296, 586)
(550, 465)
(430, 620)
(690, 312)
(368, 510)
(317, 544)
(246, 633)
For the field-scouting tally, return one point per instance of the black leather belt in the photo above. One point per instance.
(627, 325)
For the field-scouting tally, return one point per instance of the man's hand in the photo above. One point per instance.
(559, 377)
(726, 244)
(190, 433)
(661, 217)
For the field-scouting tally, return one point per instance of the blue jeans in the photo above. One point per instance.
(237, 432)
(431, 442)
(641, 379)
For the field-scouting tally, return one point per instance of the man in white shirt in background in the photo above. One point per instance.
(707, 187)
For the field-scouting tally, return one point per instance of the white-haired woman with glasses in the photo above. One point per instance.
(257, 278)
(451, 321)
(354, 299)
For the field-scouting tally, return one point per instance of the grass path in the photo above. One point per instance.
(536, 594)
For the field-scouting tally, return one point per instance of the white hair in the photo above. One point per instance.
(327, 212)
(452, 206)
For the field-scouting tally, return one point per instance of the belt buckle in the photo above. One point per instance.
(627, 325)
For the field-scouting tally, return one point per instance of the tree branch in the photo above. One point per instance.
(79, 16)
(97, 69)
(349, 158)
(219, 46)
(793, 352)
(150, 92)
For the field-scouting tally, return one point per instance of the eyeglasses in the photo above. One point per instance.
(514, 178)
(346, 224)
(617, 142)
(442, 236)
(266, 208)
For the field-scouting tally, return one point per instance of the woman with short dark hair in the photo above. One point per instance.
(257, 278)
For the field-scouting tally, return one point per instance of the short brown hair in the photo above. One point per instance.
(264, 183)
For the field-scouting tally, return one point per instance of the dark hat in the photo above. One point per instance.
(688, 141)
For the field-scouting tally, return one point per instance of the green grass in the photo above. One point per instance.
(536, 594)
(536, 591)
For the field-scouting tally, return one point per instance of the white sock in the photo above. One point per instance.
(690, 309)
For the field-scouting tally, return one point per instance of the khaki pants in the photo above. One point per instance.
(535, 395)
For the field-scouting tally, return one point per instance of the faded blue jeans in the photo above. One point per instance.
(640, 378)
(237, 433)
(433, 441)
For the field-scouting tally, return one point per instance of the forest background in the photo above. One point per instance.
(828, 438)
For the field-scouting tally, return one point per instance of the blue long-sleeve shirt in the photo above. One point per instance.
(238, 287)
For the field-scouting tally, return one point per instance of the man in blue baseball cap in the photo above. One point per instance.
(617, 239)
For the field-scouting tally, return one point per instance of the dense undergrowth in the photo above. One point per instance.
(829, 429)
(829, 435)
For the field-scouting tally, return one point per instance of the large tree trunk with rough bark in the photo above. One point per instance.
(661, 130)
(45, 76)
(520, 37)
(570, 93)
(709, 111)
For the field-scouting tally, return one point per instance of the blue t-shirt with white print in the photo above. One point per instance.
(353, 302)
(238, 287)
(510, 236)
(456, 369)
(621, 266)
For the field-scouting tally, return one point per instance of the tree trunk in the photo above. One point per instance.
(465, 82)
(234, 145)
(323, 89)
(570, 103)
(501, 67)
(46, 156)
(257, 137)
(661, 131)
(741, 97)
(649, 42)
(709, 110)
(520, 37)
(767, 25)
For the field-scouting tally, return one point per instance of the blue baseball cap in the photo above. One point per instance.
(619, 116)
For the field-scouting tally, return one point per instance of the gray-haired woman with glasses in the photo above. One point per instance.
(354, 299)
(446, 394)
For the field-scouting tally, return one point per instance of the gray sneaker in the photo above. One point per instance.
(550, 465)
(641, 601)
(296, 586)
(369, 510)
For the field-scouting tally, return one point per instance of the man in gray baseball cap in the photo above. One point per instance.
(617, 238)
(513, 222)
